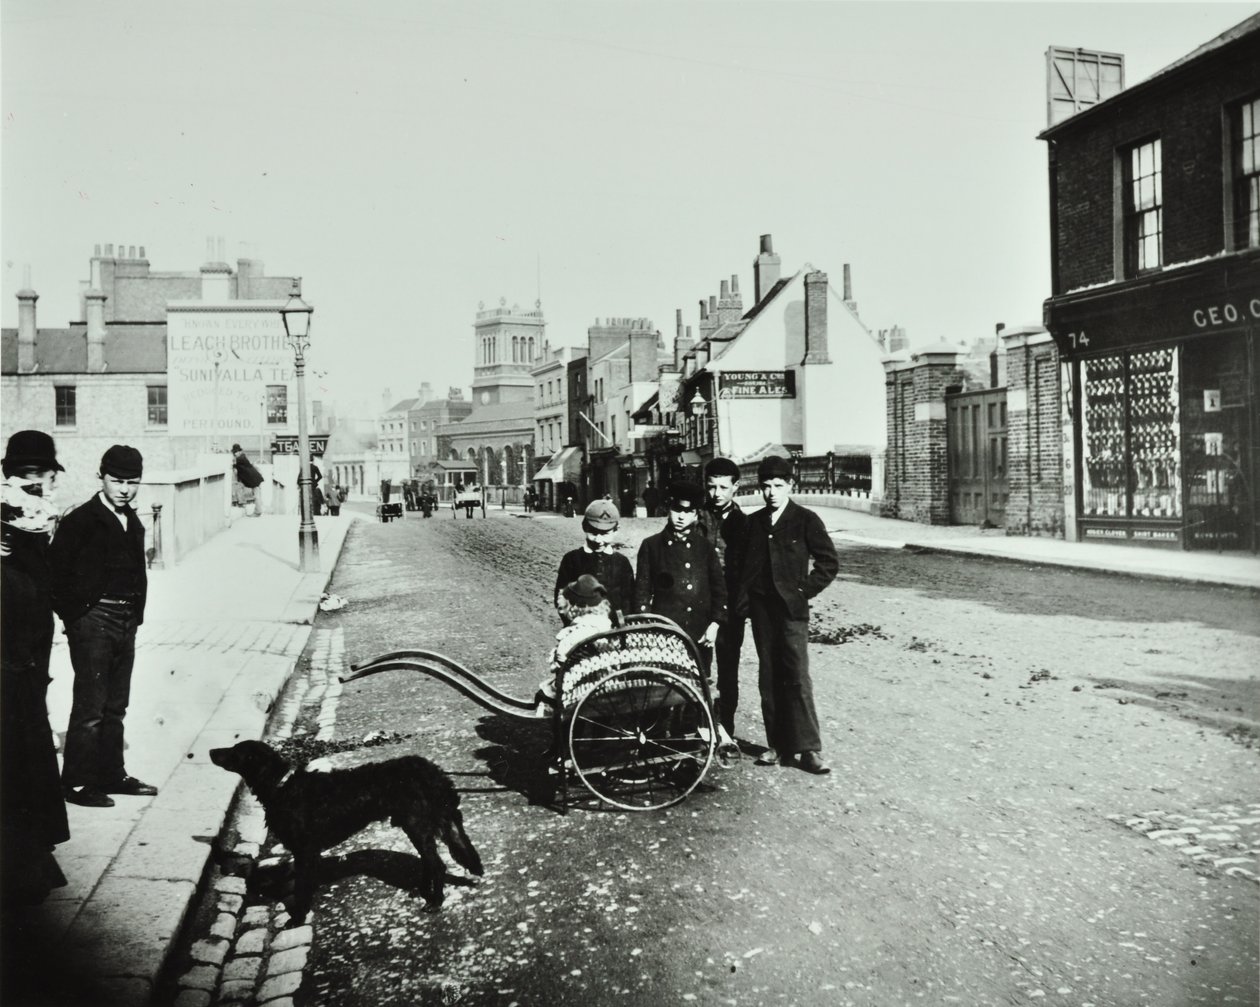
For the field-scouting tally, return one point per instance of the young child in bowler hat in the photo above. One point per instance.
(99, 585)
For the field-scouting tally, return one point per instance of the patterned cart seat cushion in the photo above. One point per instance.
(592, 661)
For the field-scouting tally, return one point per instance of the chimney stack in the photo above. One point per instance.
(816, 319)
(765, 269)
(848, 290)
(96, 331)
(27, 330)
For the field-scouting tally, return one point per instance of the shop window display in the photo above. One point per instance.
(1130, 436)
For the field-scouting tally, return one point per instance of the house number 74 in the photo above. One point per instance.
(1078, 339)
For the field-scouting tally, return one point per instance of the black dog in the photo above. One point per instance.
(310, 812)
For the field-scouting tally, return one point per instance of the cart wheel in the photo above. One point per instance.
(641, 739)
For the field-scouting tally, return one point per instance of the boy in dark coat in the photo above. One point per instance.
(597, 557)
(679, 574)
(775, 586)
(726, 525)
(99, 584)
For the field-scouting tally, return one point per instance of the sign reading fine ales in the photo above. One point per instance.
(287, 444)
(757, 385)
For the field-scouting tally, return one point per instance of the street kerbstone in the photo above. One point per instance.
(292, 938)
(252, 942)
(224, 926)
(193, 998)
(231, 885)
(229, 903)
(200, 977)
(256, 916)
(209, 952)
(280, 986)
(243, 969)
(246, 849)
(293, 960)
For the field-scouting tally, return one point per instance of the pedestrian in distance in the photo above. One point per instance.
(597, 557)
(726, 526)
(99, 587)
(317, 494)
(32, 811)
(335, 496)
(789, 558)
(248, 479)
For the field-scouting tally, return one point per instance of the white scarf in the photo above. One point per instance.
(24, 505)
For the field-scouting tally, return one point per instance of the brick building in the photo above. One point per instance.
(1155, 303)
(175, 363)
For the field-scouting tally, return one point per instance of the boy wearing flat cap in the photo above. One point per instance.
(775, 586)
(679, 574)
(99, 584)
(598, 558)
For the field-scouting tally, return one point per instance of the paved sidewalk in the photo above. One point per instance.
(222, 634)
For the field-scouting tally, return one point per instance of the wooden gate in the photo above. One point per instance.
(976, 434)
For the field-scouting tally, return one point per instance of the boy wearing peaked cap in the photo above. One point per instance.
(789, 558)
(99, 585)
(597, 557)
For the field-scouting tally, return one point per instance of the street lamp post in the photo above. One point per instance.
(296, 315)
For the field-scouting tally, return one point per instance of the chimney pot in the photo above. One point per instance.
(109, 251)
(767, 244)
(726, 290)
(712, 303)
(142, 255)
(704, 309)
(97, 250)
(848, 284)
(131, 251)
(734, 284)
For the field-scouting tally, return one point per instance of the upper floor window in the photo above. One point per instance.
(157, 405)
(1246, 156)
(277, 404)
(67, 410)
(1143, 207)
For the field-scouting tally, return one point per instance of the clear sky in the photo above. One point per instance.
(411, 159)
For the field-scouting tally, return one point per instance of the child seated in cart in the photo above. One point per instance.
(589, 613)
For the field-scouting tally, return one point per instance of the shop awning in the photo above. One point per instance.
(553, 471)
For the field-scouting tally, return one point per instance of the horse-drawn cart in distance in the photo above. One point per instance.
(632, 719)
(466, 499)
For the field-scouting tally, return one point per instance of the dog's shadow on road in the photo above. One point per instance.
(404, 871)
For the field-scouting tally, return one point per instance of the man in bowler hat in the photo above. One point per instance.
(775, 586)
(99, 584)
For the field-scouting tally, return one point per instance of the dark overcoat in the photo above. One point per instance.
(34, 813)
(681, 579)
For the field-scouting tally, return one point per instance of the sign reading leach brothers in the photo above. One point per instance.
(757, 385)
(219, 366)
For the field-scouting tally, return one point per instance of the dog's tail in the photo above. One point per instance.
(459, 844)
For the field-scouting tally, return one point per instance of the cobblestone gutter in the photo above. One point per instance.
(251, 953)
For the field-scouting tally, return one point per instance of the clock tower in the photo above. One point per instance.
(506, 344)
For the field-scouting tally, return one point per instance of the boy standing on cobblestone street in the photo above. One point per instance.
(99, 584)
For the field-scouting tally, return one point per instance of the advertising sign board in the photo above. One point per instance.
(757, 385)
(219, 366)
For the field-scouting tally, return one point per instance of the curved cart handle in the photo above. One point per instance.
(445, 670)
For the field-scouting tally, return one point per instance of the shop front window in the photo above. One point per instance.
(1129, 436)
